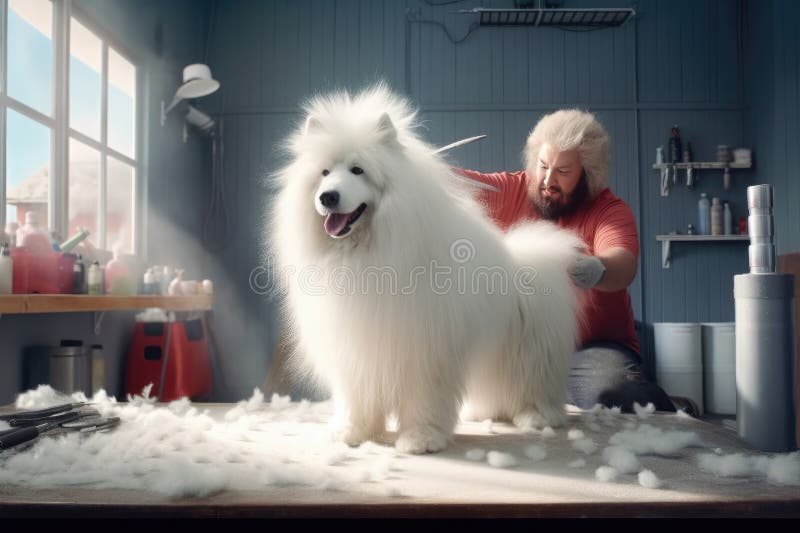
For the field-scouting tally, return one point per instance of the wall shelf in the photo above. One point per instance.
(65, 303)
(695, 165)
(666, 241)
(703, 165)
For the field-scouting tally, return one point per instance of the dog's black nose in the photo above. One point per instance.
(329, 199)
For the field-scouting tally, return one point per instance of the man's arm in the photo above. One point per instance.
(616, 248)
(621, 266)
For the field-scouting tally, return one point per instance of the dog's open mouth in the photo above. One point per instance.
(338, 224)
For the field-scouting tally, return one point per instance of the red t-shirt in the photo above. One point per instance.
(604, 222)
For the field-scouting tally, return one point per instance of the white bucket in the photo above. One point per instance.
(719, 367)
(679, 360)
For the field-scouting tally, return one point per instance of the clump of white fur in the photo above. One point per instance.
(415, 348)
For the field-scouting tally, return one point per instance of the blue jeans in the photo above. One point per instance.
(610, 374)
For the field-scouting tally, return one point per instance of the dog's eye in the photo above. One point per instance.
(326, 172)
(357, 170)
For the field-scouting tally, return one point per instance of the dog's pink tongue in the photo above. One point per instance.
(335, 222)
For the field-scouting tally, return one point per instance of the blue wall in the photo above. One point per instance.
(726, 71)
(773, 108)
(685, 62)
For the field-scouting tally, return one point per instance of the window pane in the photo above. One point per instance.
(30, 53)
(121, 103)
(27, 168)
(85, 83)
(119, 205)
(84, 190)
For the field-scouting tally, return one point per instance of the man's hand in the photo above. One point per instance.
(587, 271)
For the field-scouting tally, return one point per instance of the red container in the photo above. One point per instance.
(49, 273)
(188, 365)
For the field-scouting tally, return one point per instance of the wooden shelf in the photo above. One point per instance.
(703, 165)
(702, 237)
(695, 165)
(667, 239)
(65, 303)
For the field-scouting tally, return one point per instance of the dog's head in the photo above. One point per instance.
(351, 180)
(348, 148)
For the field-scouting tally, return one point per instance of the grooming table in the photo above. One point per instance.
(448, 484)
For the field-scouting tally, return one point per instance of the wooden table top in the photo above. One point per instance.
(448, 485)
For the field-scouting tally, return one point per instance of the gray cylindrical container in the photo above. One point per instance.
(765, 358)
(70, 370)
(65, 368)
(766, 402)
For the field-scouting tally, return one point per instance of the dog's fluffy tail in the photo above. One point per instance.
(550, 312)
(546, 252)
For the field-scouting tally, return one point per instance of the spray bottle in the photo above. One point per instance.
(766, 403)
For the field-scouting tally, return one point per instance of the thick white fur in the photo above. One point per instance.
(415, 352)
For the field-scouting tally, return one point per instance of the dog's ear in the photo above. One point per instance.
(313, 125)
(386, 130)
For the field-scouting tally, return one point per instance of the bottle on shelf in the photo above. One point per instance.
(149, 282)
(32, 237)
(6, 271)
(79, 276)
(95, 279)
(117, 278)
(675, 149)
(687, 153)
(11, 230)
(67, 246)
(728, 216)
(704, 215)
(717, 220)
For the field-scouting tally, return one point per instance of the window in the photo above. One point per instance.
(68, 125)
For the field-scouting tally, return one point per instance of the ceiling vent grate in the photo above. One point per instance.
(560, 18)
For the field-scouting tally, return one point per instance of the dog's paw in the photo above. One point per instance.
(423, 439)
(529, 419)
(532, 418)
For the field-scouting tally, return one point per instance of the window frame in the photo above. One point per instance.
(61, 132)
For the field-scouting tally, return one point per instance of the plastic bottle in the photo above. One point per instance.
(175, 287)
(166, 278)
(95, 279)
(717, 220)
(148, 286)
(675, 149)
(6, 271)
(117, 277)
(79, 276)
(66, 246)
(728, 218)
(32, 237)
(11, 229)
(704, 215)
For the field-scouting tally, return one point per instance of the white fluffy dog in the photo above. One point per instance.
(402, 297)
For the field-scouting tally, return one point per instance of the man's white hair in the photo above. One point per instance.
(573, 129)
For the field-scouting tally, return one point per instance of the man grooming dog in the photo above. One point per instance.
(565, 180)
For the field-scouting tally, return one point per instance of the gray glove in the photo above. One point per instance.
(587, 271)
